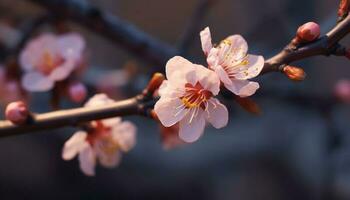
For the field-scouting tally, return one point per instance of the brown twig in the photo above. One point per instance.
(113, 28)
(326, 45)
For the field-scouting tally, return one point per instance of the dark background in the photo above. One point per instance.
(297, 149)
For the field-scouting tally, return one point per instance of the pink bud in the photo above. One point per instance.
(342, 90)
(17, 112)
(309, 32)
(77, 92)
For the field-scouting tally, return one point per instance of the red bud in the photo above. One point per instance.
(294, 73)
(17, 112)
(308, 32)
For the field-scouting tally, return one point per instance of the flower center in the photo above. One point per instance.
(98, 130)
(49, 62)
(195, 96)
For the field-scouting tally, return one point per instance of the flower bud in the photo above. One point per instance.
(343, 8)
(308, 32)
(342, 90)
(249, 105)
(154, 83)
(294, 73)
(77, 92)
(17, 112)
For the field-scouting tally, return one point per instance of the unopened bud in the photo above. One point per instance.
(294, 73)
(308, 32)
(154, 83)
(342, 90)
(17, 112)
(77, 92)
(343, 8)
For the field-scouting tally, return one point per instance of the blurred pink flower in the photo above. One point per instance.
(50, 58)
(103, 142)
(232, 63)
(342, 90)
(187, 97)
(77, 92)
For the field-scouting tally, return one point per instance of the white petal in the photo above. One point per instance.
(73, 146)
(252, 69)
(109, 160)
(180, 71)
(235, 47)
(99, 100)
(63, 71)
(125, 135)
(208, 79)
(87, 160)
(111, 122)
(206, 40)
(71, 45)
(213, 58)
(242, 88)
(190, 131)
(218, 114)
(36, 82)
(222, 75)
(169, 111)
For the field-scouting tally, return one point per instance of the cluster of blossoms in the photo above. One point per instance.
(187, 97)
(103, 141)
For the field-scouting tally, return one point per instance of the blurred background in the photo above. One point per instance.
(298, 148)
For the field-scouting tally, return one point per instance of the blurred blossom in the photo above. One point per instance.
(232, 63)
(103, 142)
(50, 58)
(342, 90)
(187, 98)
(169, 136)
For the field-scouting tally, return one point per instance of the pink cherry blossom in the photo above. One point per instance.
(50, 58)
(77, 92)
(104, 141)
(232, 64)
(187, 98)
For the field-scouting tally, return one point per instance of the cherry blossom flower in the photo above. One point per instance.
(50, 58)
(104, 141)
(232, 63)
(187, 98)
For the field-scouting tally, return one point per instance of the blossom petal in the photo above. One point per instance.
(98, 100)
(208, 79)
(191, 130)
(217, 113)
(243, 88)
(71, 45)
(169, 111)
(87, 160)
(206, 40)
(213, 58)
(111, 122)
(36, 82)
(63, 71)
(109, 160)
(235, 47)
(125, 135)
(222, 75)
(73, 146)
(252, 69)
(180, 71)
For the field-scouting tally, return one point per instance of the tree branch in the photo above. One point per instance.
(73, 117)
(326, 45)
(117, 30)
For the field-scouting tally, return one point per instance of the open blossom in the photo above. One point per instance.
(232, 63)
(104, 141)
(50, 58)
(187, 98)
